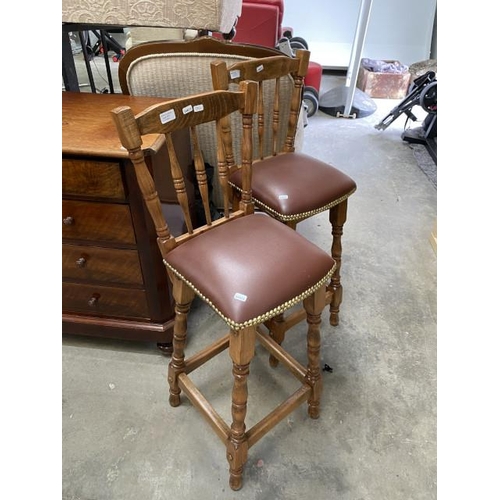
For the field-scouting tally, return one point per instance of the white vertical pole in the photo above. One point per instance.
(356, 51)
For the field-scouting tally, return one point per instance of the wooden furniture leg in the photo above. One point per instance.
(166, 348)
(241, 350)
(314, 305)
(278, 325)
(338, 216)
(183, 296)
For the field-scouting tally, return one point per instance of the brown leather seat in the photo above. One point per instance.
(248, 267)
(264, 283)
(296, 186)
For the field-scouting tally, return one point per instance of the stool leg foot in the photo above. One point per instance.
(338, 216)
(183, 297)
(174, 400)
(236, 479)
(273, 362)
(314, 306)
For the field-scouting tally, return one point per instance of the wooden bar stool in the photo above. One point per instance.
(248, 267)
(288, 185)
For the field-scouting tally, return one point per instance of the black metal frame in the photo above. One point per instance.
(70, 77)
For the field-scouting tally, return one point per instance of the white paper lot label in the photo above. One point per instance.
(240, 296)
(167, 116)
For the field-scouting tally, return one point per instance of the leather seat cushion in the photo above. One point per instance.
(250, 266)
(294, 184)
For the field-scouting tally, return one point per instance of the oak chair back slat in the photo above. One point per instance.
(179, 183)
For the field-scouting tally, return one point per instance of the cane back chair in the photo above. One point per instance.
(244, 265)
(288, 185)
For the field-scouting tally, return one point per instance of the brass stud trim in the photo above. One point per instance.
(263, 317)
(301, 215)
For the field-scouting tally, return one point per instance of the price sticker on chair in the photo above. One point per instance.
(235, 73)
(198, 107)
(259, 68)
(240, 296)
(187, 109)
(167, 116)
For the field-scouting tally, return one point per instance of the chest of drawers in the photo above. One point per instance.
(114, 283)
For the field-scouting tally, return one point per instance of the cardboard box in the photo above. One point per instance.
(383, 85)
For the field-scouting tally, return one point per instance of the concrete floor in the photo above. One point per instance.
(376, 437)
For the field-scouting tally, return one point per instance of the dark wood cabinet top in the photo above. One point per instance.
(87, 126)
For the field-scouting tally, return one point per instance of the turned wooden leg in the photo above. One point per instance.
(241, 350)
(314, 306)
(277, 330)
(338, 216)
(277, 326)
(183, 297)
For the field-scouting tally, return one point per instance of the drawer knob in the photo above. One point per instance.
(68, 221)
(81, 261)
(93, 300)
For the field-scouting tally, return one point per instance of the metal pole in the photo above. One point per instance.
(357, 49)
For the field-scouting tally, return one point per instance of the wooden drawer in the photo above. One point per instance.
(104, 301)
(97, 179)
(94, 221)
(101, 264)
